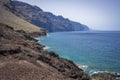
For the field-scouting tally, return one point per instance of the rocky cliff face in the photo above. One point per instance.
(46, 20)
(22, 58)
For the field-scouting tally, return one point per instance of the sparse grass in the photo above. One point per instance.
(8, 18)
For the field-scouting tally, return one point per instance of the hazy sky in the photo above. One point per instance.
(97, 14)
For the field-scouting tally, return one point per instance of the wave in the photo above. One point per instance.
(84, 67)
(46, 47)
(48, 34)
(39, 41)
(37, 38)
(96, 72)
(91, 72)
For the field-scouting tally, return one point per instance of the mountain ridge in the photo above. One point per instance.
(46, 20)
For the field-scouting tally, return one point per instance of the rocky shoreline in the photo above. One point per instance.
(22, 58)
(97, 75)
(105, 76)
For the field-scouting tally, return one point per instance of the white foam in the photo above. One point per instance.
(39, 41)
(84, 67)
(91, 72)
(48, 34)
(46, 48)
(38, 38)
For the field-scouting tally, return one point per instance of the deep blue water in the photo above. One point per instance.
(92, 50)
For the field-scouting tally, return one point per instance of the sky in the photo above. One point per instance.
(97, 14)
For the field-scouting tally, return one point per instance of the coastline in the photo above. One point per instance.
(96, 74)
(21, 53)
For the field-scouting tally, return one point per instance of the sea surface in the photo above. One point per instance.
(93, 51)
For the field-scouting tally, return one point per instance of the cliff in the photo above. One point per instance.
(46, 20)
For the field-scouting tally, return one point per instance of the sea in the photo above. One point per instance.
(93, 51)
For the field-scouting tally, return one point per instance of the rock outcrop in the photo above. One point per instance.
(106, 76)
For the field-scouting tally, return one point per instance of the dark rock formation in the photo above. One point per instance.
(22, 58)
(106, 76)
(46, 20)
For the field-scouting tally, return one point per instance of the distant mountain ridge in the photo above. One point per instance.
(46, 20)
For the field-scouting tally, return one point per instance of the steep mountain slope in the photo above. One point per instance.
(46, 20)
(7, 17)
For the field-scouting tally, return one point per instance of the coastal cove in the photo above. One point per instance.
(92, 51)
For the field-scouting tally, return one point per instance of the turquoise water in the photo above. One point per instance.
(92, 51)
